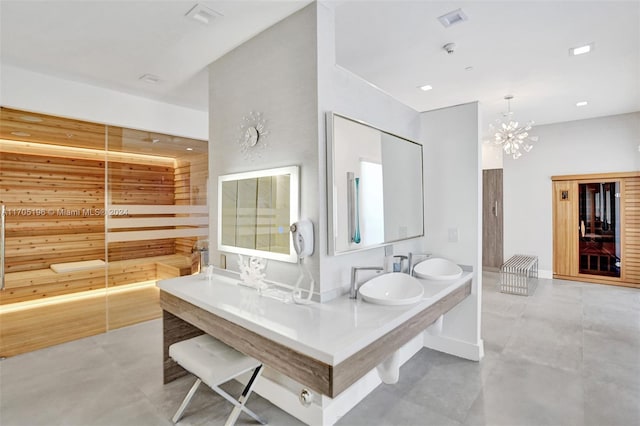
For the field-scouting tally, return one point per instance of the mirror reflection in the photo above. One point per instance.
(255, 211)
(375, 182)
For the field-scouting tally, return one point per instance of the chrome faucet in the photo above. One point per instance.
(411, 260)
(353, 291)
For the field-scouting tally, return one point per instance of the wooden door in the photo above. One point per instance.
(492, 219)
(565, 228)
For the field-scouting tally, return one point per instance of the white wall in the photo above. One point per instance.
(492, 156)
(31, 91)
(345, 93)
(453, 197)
(605, 144)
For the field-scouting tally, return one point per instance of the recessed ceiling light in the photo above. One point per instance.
(202, 14)
(149, 78)
(581, 50)
(31, 119)
(426, 87)
(23, 134)
(189, 149)
(452, 18)
(582, 103)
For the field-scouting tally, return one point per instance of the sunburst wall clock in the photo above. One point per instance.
(253, 134)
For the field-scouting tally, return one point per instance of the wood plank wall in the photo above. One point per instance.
(145, 185)
(55, 208)
(631, 230)
(52, 210)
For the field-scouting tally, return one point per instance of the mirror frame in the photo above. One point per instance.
(294, 211)
(332, 212)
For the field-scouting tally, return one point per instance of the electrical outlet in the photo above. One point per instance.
(453, 235)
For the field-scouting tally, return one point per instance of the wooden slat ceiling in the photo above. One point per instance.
(51, 130)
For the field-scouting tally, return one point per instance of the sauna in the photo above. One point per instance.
(93, 215)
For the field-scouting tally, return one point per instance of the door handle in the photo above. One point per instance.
(495, 209)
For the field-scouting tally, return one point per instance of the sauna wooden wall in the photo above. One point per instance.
(145, 185)
(631, 230)
(53, 210)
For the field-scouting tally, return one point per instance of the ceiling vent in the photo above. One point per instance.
(149, 78)
(202, 14)
(452, 18)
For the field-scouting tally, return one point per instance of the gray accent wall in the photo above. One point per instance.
(273, 73)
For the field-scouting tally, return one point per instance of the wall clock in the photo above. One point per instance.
(252, 136)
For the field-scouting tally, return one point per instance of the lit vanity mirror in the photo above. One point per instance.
(255, 210)
(375, 186)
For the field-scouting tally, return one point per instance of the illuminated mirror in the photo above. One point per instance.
(255, 210)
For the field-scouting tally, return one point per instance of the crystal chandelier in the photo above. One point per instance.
(512, 137)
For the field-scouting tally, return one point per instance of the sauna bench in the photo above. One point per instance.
(39, 283)
(325, 346)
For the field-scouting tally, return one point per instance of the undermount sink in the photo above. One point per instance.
(394, 288)
(437, 269)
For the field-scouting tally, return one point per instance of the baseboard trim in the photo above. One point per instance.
(459, 348)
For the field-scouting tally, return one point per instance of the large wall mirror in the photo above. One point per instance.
(255, 210)
(375, 186)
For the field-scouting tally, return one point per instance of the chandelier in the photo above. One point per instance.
(510, 135)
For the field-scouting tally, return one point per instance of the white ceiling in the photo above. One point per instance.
(514, 47)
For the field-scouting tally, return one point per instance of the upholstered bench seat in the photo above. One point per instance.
(215, 363)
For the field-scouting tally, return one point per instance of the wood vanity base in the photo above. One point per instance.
(183, 320)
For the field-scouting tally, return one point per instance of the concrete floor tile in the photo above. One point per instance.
(523, 393)
(548, 342)
(611, 404)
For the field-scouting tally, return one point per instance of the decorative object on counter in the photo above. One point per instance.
(209, 272)
(511, 135)
(252, 272)
(252, 135)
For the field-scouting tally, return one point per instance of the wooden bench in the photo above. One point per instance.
(29, 285)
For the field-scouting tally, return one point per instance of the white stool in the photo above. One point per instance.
(215, 363)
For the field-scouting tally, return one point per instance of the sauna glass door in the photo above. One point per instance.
(599, 244)
(157, 218)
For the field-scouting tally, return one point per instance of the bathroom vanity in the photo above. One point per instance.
(327, 347)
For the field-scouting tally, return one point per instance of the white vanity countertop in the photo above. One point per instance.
(329, 332)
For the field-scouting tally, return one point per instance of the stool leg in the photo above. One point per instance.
(240, 404)
(186, 401)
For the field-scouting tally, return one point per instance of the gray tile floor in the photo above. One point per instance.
(568, 355)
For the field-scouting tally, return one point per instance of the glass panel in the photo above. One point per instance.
(599, 236)
(52, 186)
(157, 218)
